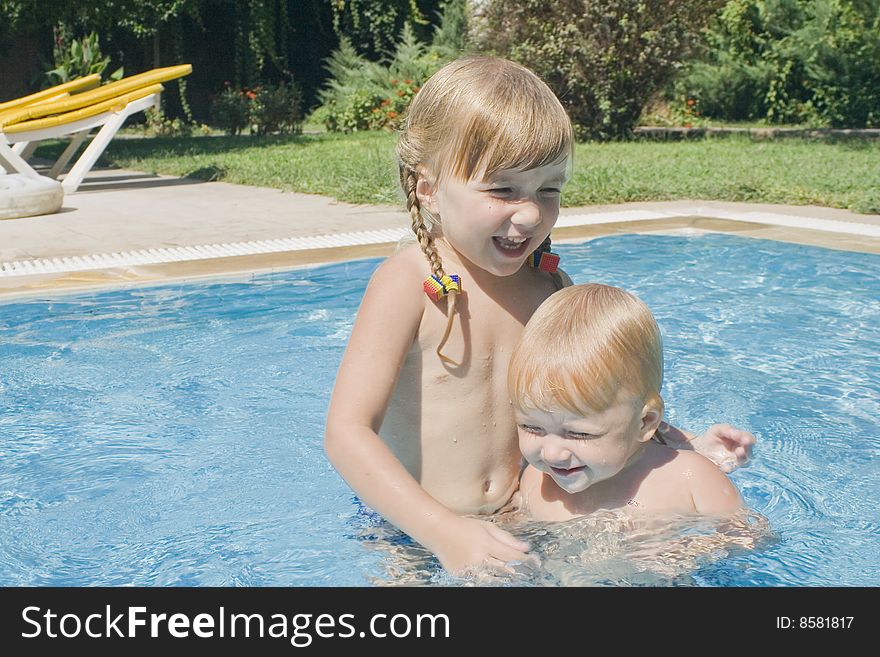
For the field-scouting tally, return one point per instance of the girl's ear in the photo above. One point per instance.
(426, 190)
(651, 418)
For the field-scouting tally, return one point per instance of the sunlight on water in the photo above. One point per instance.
(173, 435)
(603, 549)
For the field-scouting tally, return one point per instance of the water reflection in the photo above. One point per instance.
(608, 548)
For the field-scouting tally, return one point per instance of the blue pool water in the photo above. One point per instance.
(173, 435)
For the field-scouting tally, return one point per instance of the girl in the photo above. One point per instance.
(420, 424)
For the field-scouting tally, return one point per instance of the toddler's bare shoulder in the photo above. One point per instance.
(692, 466)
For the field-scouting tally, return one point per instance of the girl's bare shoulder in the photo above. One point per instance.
(403, 271)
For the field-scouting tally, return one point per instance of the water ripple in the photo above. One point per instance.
(171, 435)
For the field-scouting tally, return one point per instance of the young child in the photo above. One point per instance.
(585, 383)
(420, 423)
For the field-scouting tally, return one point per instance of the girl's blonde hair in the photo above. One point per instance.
(476, 116)
(584, 345)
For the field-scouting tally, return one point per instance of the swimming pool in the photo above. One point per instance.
(172, 435)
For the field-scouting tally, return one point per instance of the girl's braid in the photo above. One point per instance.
(423, 235)
(409, 179)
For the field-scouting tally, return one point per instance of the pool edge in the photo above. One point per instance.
(157, 266)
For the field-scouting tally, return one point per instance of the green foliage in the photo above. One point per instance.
(141, 18)
(267, 109)
(801, 61)
(603, 58)
(77, 58)
(276, 109)
(452, 34)
(159, 125)
(373, 25)
(365, 95)
(230, 110)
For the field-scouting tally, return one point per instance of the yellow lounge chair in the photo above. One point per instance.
(24, 123)
(53, 93)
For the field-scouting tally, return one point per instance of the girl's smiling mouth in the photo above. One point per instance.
(511, 247)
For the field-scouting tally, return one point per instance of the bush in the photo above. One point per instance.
(265, 109)
(365, 95)
(802, 61)
(159, 125)
(230, 110)
(605, 59)
(276, 109)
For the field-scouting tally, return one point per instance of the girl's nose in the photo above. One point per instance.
(528, 214)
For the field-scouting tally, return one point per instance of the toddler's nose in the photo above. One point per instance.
(555, 453)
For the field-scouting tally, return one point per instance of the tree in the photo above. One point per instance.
(603, 58)
(814, 61)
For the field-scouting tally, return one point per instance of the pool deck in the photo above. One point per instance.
(130, 228)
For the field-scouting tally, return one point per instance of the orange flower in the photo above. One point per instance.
(407, 82)
(251, 95)
(394, 81)
(416, 90)
(401, 93)
(391, 114)
(691, 102)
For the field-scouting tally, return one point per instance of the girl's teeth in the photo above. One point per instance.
(509, 244)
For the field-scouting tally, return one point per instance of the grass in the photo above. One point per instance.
(360, 168)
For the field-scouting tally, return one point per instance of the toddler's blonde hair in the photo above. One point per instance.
(476, 116)
(584, 345)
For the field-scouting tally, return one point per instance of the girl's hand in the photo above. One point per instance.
(476, 545)
(725, 445)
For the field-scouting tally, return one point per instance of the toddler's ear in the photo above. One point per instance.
(426, 189)
(651, 418)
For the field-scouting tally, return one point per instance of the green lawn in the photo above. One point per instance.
(360, 168)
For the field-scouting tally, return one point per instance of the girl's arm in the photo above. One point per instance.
(383, 333)
(723, 444)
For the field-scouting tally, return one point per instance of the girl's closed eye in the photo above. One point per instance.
(578, 435)
(529, 428)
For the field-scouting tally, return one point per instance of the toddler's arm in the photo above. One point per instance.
(383, 333)
(712, 492)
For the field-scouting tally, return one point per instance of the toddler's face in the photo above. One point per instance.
(580, 449)
(496, 221)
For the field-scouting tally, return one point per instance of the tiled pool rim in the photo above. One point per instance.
(64, 271)
(390, 235)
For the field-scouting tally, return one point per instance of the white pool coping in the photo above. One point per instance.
(60, 265)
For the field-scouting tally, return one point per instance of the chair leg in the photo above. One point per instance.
(12, 162)
(28, 150)
(68, 153)
(87, 160)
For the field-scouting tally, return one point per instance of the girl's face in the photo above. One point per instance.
(581, 449)
(496, 221)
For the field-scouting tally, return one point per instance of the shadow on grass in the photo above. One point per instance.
(208, 174)
(190, 146)
(187, 146)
